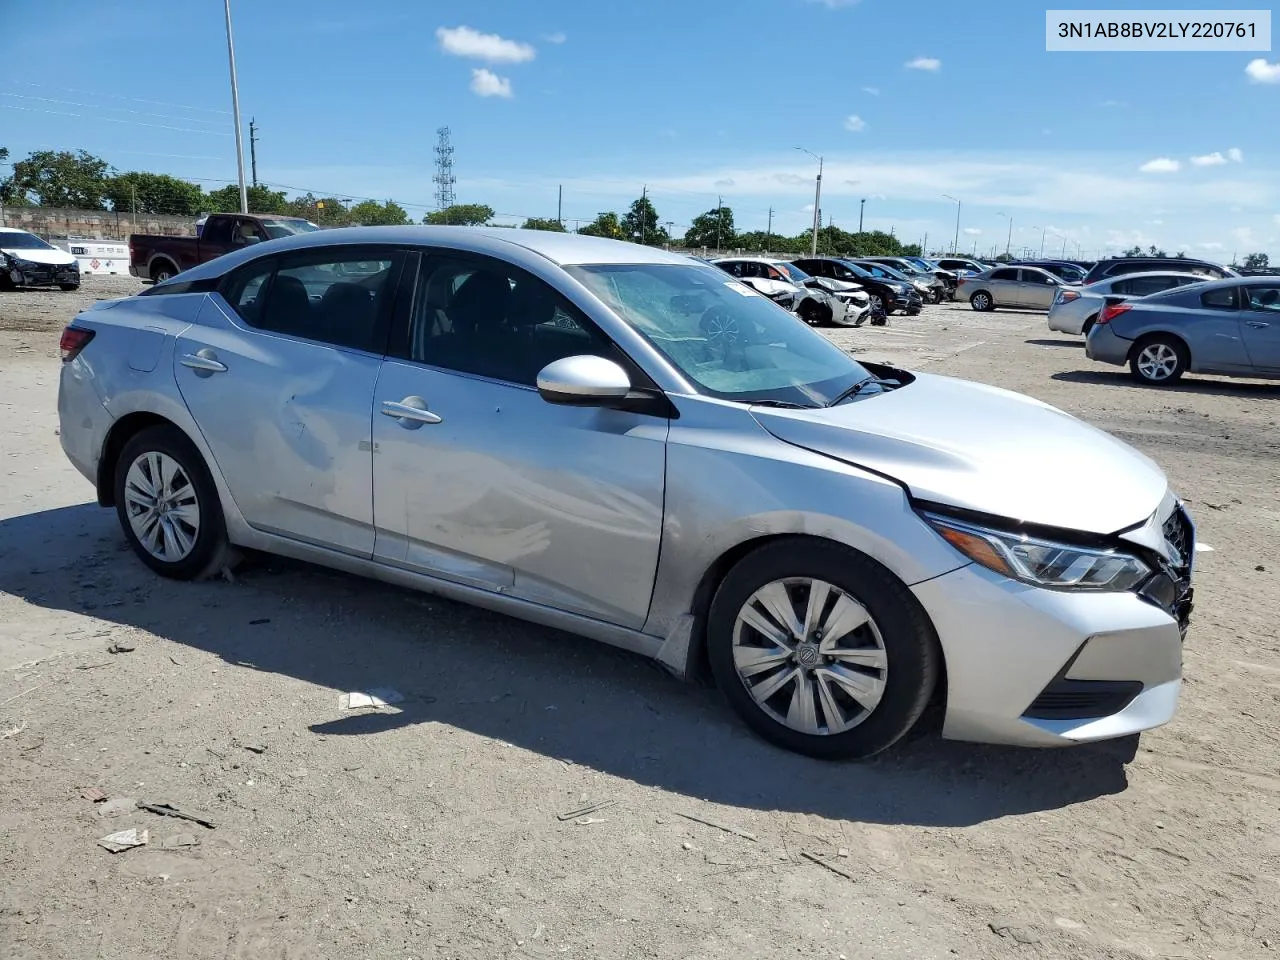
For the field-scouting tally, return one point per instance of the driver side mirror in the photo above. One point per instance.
(583, 381)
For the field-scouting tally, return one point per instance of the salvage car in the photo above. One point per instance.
(622, 443)
(886, 295)
(817, 300)
(28, 261)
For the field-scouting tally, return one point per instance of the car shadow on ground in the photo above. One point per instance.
(1193, 383)
(536, 688)
(1079, 344)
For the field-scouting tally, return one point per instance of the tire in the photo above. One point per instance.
(1159, 360)
(68, 287)
(811, 313)
(876, 304)
(1088, 325)
(893, 656)
(982, 301)
(192, 497)
(162, 270)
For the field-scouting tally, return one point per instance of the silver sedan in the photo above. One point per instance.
(1076, 309)
(635, 447)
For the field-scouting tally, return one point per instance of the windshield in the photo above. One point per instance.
(729, 341)
(888, 271)
(18, 240)
(287, 228)
(791, 270)
(924, 264)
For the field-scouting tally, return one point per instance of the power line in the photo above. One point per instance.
(136, 123)
(113, 96)
(95, 106)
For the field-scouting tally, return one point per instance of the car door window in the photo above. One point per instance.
(1036, 277)
(1224, 298)
(493, 320)
(1264, 298)
(340, 297)
(1144, 286)
(1005, 274)
(733, 267)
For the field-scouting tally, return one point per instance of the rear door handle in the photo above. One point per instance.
(1259, 324)
(204, 362)
(411, 412)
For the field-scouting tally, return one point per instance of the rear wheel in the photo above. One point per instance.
(813, 314)
(163, 270)
(982, 301)
(1159, 360)
(69, 286)
(821, 650)
(1088, 325)
(168, 506)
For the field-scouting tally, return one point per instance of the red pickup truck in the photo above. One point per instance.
(159, 258)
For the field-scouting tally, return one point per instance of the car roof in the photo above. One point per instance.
(769, 260)
(564, 249)
(13, 230)
(1154, 273)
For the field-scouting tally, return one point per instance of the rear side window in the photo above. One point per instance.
(1224, 298)
(1144, 286)
(340, 297)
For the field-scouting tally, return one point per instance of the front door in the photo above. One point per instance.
(477, 479)
(1260, 325)
(1004, 287)
(279, 375)
(1037, 289)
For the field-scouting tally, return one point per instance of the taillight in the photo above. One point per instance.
(1066, 296)
(1111, 312)
(74, 339)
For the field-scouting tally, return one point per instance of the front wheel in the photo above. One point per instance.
(1159, 360)
(68, 287)
(982, 301)
(821, 650)
(168, 506)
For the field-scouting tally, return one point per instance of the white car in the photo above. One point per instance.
(836, 302)
(27, 261)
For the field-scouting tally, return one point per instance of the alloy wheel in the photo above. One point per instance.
(1157, 361)
(162, 506)
(810, 655)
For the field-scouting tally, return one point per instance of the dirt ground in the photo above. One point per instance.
(431, 829)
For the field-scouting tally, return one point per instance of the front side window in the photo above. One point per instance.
(1265, 298)
(727, 340)
(336, 297)
(1004, 274)
(489, 319)
(1035, 276)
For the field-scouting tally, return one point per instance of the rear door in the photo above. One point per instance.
(279, 373)
(484, 482)
(1260, 325)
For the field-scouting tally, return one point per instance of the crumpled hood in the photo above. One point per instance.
(837, 286)
(984, 449)
(54, 257)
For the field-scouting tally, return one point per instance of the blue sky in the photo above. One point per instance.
(694, 99)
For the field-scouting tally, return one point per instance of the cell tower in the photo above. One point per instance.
(444, 178)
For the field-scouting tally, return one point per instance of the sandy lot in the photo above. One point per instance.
(430, 829)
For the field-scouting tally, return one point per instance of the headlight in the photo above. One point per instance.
(1043, 563)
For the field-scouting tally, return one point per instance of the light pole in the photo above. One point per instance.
(235, 107)
(955, 244)
(817, 201)
(1008, 243)
(861, 208)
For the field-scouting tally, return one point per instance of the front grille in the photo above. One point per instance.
(1179, 534)
(1082, 699)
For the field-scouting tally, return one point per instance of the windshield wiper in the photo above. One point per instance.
(784, 404)
(861, 385)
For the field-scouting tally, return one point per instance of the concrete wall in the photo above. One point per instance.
(54, 223)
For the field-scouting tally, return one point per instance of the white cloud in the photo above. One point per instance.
(874, 91)
(924, 63)
(1161, 165)
(1235, 155)
(1155, 223)
(1214, 245)
(1215, 159)
(855, 123)
(486, 84)
(557, 37)
(1243, 235)
(972, 231)
(1260, 71)
(726, 182)
(1113, 103)
(835, 4)
(465, 42)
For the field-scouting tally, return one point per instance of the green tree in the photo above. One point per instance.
(373, 214)
(1257, 261)
(712, 229)
(641, 224)
(911, 250)
(153, 193)
(1137, 251)
(461, 214)
(760, 241)
(325, 211)
(61, 179)
(604, 225)
(538, 223)
(261, 200)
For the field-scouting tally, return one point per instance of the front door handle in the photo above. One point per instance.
(1258, 324)
(204, 362)
(411, 412)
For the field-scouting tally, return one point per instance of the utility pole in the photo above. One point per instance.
(235, 110)
(644, 194)
(1043, 230)
(924, 246)
(253, 150)
(560, 206)
(955, 244)
(719, 219)
(817, 202)
(861, 207)
(1064, 248)
(768, 231)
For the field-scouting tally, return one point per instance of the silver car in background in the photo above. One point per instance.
(1227, 327)
(1075, 309)
(1027, 287)
(632, 446)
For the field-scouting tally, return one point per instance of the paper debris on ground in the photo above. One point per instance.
(180, 842)
(123, 840)
(1203, 548)
(13, 731)
(377, 697)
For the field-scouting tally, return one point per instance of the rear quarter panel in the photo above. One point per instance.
(1212, 337)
